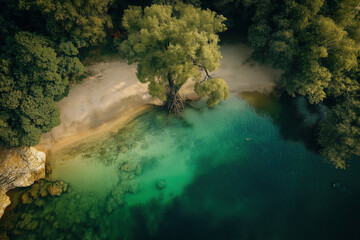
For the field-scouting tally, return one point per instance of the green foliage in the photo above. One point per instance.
(170, 43)
(39, 55)
(340, 133)
(317, 45)
(81, 22)
(30, 82)
(195, 3)
(32, 78)
(215, 88)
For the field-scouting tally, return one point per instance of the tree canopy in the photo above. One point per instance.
(40, 43)
(171, 44)
(317, 45)
(81, 22)
(29, 84)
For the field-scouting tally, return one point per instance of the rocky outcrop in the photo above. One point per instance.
(43, 188)
(19, 167)
(4, 202)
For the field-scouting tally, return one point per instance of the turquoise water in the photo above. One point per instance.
(222, 173)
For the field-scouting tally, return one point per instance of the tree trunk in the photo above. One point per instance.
(174, 102)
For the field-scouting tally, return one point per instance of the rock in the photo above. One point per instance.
(160, 184)
(111, 205)
(132, 187)
(65, 187)
(129, 167)
(32, 225)
(55, 189)
(39, 202)
(26, 199)
(34, 191)
(4, 202)
(48, 169)
(126, 167)
(130, 176)
(118, 195)
(123, 176)
(19, 167)
(43, 189)
(26, 219)
(43, 192)
(138, 170)
(123, 149)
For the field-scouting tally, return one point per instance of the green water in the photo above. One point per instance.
(223, 173)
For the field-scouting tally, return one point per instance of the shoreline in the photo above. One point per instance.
(95, 133)
(113, 96)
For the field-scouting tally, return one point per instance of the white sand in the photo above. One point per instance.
(113, 95)
(243, 75)
(110, 94)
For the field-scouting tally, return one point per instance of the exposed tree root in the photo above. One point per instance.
(175, 104)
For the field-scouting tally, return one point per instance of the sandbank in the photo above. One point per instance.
(113, 96)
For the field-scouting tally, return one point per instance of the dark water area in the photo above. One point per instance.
(223, 173)
(258, 202)
(296, 119)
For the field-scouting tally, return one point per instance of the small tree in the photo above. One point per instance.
(171, 44)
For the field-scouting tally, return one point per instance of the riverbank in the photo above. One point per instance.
(113, 96)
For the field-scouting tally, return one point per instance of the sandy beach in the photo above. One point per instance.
(113, 96)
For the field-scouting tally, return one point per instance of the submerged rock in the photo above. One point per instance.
(57, 188)
(48, 169)
(160, 184)
(131, 187)
(118, 194)
(111, 205)
(43, 192)
(26, 199)
(19, 167)
(138, 170)
(123, 149)
(129, 167)
(4, 202)
(27, 222)
(43, 189)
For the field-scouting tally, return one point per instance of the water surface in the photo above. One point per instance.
(222, 173)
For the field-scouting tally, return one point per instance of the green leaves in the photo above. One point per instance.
(168, 40)
(317, 45)
(340, 133)
(40, 41)
(30, 82)
(215, 88)
(82, 22)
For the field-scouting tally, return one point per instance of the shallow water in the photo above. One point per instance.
(222, 173)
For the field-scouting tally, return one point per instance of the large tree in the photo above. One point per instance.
(78, 21)
(29, 84)
(172, 44)
(40, 42)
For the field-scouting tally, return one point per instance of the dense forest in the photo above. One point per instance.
(315, 42)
